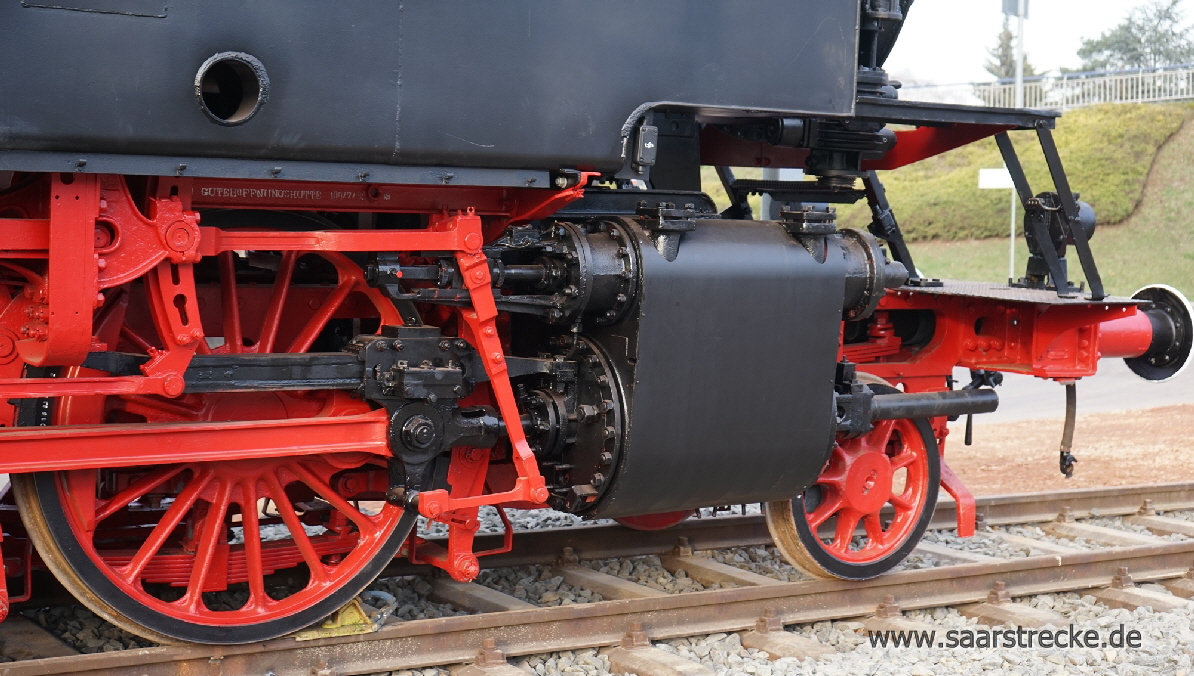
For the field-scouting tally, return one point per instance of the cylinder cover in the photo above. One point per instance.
(726, 368)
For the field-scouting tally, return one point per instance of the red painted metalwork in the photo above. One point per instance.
(90, 264)
(18, 567)
(5, 601)
(467, 475)
(964, 505)
(479, 327)
(212, 455)
(512, 204)
(201, 558)
(1126, 337)
(133, 444)
(1055, 341)
(720, 149)
(111, 226)
(234, 443)
(888, 466)
(1012, 334)
(58, 331)
(914, 145)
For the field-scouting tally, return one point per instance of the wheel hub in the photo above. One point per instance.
(868, 482)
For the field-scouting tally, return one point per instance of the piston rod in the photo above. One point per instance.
(933, 404)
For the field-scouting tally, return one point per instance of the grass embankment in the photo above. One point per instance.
(1130, 162)
(1155, 244)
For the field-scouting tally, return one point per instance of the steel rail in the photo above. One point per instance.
(610, 540)
(452, 640)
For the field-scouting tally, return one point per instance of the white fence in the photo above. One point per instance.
(1065, 92)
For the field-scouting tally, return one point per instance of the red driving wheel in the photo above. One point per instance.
(222, 552)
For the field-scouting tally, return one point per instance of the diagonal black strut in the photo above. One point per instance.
(1070, 206)
(884, 224)
(1040, 229)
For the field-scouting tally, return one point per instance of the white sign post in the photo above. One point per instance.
(1018, 9)
(1001, 179)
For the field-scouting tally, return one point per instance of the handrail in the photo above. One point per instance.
(1069, 90)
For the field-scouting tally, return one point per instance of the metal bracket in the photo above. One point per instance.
(885, 227)
(1070, 205)
(1069, 219)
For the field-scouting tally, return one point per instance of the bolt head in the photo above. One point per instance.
(418, 432)
(173, 385)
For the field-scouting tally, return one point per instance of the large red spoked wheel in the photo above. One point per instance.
(885, 481)
(228, 552)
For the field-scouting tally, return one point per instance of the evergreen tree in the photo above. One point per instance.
(1152, 36)
(1003, 55)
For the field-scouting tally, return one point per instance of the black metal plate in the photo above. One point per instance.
(730, 377)
(471, 83)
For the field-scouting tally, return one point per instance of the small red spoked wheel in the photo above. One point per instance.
(235, 551)
(655, 521)
(885, 481)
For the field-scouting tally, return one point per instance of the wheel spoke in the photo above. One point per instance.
(329, 495)
(847, 522)
(874, 530)
(135, 490)
(905, 458)
(900, 502)
(169, 521)
(320, 319)
(826, 509)
(879, 437)
(835, 472)
(251, 527)
(233, 336)
(277, 302)
(211, 532)
(136, 339)
(155, 406)
(299, 534)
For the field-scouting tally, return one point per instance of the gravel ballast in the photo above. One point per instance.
(411, 595)
(985, 543)
(537, 585)
(647, 571)
(1037, 534)
(85, 631)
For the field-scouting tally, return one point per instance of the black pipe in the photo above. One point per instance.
(933, 404)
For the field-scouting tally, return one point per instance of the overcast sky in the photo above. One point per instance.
(946, 41)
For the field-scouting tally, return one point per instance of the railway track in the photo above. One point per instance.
(633, 615)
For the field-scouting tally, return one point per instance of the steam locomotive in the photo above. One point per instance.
(335, 268)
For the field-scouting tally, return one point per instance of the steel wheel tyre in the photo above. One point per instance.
(125, 585)
(897, 468)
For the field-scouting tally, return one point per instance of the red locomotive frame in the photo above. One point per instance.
(75, 241)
